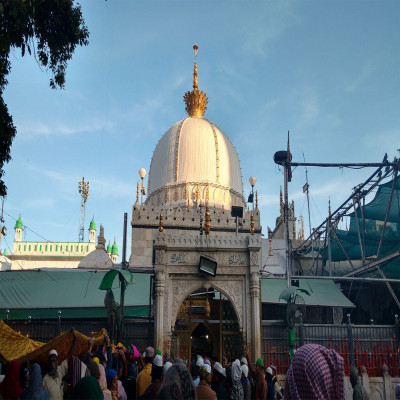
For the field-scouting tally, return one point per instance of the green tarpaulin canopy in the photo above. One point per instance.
(374, 214)
(41, 293)
(323, 292)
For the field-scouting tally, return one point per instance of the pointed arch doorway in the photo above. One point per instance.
(207, 324)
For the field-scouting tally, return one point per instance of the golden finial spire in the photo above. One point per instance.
(161, 226)
(294, 230)
(256, 200)
(207, 224)
(195, 81)
(270, 248)
(251, 224)
(196, 102)
(137, 193)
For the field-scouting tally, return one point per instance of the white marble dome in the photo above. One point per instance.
(194, 160)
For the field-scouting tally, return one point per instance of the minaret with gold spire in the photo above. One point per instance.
(196, 102)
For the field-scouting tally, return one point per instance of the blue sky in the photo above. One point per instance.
(329, 72)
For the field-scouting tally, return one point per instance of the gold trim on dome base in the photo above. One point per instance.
(194, 193)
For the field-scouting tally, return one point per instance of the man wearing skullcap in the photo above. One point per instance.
(152, 390)
(53, 380)
(204, 391)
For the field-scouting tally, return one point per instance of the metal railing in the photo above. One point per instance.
(362, 345)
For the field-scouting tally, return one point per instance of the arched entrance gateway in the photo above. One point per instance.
(207, 324)
(192, 304)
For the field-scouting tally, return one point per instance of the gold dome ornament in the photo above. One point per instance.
(207, 309)
(196, 102)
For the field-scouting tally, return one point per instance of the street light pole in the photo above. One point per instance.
(142, 174)
(252, 181)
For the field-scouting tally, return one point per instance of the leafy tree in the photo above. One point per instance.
(48, 29)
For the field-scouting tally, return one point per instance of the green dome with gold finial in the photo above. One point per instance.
(109, 247)
(18, 224)
(114, 248)
(92, 225)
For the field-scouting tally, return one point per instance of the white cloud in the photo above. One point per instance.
(362, 76)
(40, 202)
(264, 30)
(38, 128)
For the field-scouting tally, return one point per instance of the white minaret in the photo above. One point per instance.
(92, 231)
(114, 253)
(18, 230)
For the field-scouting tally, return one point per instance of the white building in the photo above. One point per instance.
(34, 255)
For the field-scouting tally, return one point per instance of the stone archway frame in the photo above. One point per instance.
(181, 289)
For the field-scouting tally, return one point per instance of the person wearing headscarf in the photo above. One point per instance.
(152, 390)
(129, 383)
(166, 366)
(144, 378)
(218, 381)
(315, 373)
(177, 384)
(237, 388)
(10, 388)
(87, 389)
(103, 383)
(245, 382)
(199, 364)
(204, 391)
(115, 386)
(35, 389)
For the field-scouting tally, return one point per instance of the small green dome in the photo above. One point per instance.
(92, 225)
(18, 224)
(5, 252)
(114, 249)
(109, 248)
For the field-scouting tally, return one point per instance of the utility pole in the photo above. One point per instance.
(84, 192)
(3, 229)
(287, 171)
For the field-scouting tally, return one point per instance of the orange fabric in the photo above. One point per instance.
(15, 346)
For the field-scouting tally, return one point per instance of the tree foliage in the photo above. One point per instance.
(49, 30)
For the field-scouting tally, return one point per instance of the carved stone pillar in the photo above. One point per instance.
(255, 314)
(159, 301)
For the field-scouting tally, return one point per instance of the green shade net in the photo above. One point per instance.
(374, 213)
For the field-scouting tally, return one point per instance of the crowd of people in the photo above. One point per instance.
(122, 373)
